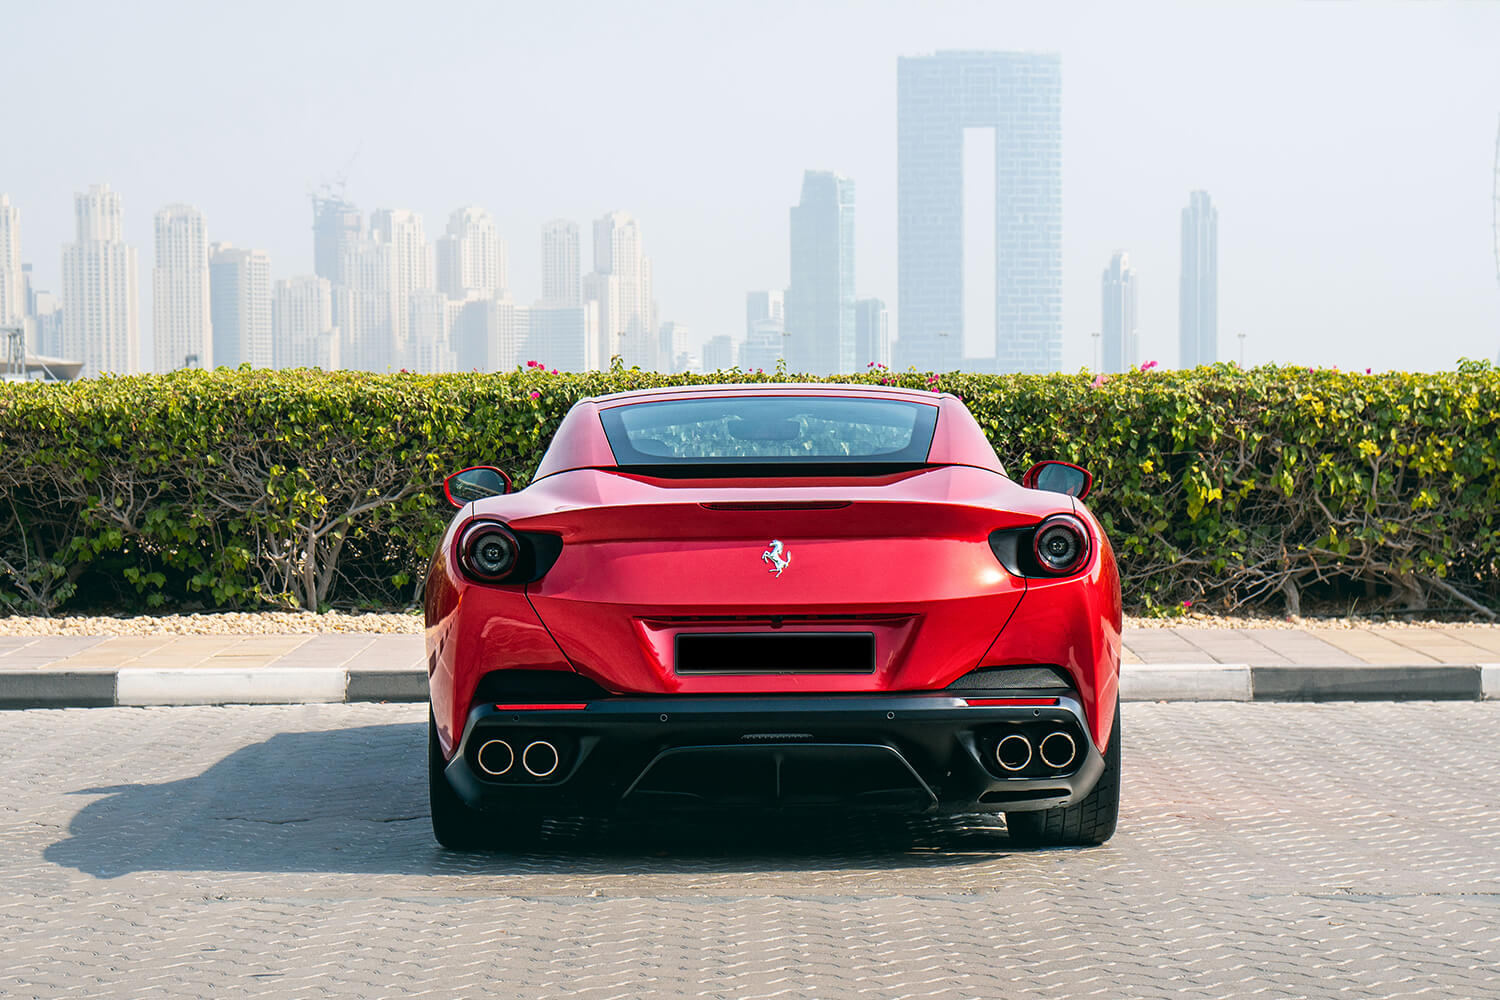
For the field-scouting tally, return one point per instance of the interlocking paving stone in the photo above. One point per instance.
(1276, 850)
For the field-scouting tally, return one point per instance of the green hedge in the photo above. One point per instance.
(1218, 486)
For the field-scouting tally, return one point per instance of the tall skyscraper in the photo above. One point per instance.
(560, 274)
(765, 345)
(100, 286)
(337, 225)
(601, 297)
(820, 298)
(1198, 301)
(366, 307)
(764, 305)
(718, 353)
(672, 347)
(180, 314)
(562, 337)
(1019, 96)
(430, 349)
(619, 253)
(303, 334)
(1120, 348)
(471, 259)
(13, 306)
(239, 283)
(411, 256)
(872, 334)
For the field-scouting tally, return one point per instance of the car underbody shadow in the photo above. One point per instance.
(354, 800)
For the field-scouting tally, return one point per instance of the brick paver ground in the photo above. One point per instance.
(1265, 850)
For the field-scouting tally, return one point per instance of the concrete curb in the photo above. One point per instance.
(142, 686)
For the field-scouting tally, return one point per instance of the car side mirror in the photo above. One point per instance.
(1059, 477)
(475, 483)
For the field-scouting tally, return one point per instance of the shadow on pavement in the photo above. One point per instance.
(354, 800)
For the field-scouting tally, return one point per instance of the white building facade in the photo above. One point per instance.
(239, 285)
(12, 284)
(471, 256)
(181, 320)
(560, 264)
(100, 288)
(303, 333)
(1119, 342)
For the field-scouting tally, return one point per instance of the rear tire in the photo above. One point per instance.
(1085, 823)
(455, 825)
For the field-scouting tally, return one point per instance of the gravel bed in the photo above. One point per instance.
(217, 623)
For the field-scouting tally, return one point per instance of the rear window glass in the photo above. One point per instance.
(774, 430)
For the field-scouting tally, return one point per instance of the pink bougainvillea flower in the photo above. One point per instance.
(535, 394)
(1099, 380)
(1367, 371)
(1187, 604)
(1146, 366)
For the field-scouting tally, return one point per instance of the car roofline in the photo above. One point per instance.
(750, 388)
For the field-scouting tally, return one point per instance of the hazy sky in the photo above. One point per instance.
(1350, 147)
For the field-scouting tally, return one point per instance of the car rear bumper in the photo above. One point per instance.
(901, 752)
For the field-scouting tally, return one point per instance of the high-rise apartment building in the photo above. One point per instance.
(100, 286)
(239, 284)
(411, 256)
(471, 258)
(560, 267)
(619, 253)
(303, 333)
(820, 298)
(1198, 299)
(46, 319)
(672, 347)
(718, 353)
(180, 310)
(13, 305)
(337, 225)
(562, 337)
(872, 334)
(765, 346)
(1119, 346)
(1018, 96)
(366, 307)
(430, 349)
(764, 305)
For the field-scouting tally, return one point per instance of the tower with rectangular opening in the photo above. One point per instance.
(1019, 96)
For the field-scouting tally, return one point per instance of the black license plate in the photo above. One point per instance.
(775, 653)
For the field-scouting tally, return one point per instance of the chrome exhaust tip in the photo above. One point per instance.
(1057, 750)
(495, 757)
(1013, 752)
(540, 759)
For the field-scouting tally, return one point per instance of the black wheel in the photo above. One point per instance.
(455, 825)
(1091, 821)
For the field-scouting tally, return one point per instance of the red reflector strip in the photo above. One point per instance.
(568, 707)
(976, 702)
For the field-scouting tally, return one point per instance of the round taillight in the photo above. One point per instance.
(1061, 544)
(488, 551)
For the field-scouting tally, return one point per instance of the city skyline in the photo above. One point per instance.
(1298, 166)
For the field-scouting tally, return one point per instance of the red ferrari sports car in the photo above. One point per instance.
(774, 596)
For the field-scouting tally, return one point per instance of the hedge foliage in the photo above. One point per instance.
(1223, 487)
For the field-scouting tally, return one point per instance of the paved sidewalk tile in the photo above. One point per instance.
(1225, 645)
(1163, 646)
(334, 650)
(46, 650)
(1436, 643)
(1371, 647)
(1299, 646)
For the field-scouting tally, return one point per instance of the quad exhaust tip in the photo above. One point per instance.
(540, 759)
(495, 758)
(1013, 752)
(1057, 750)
